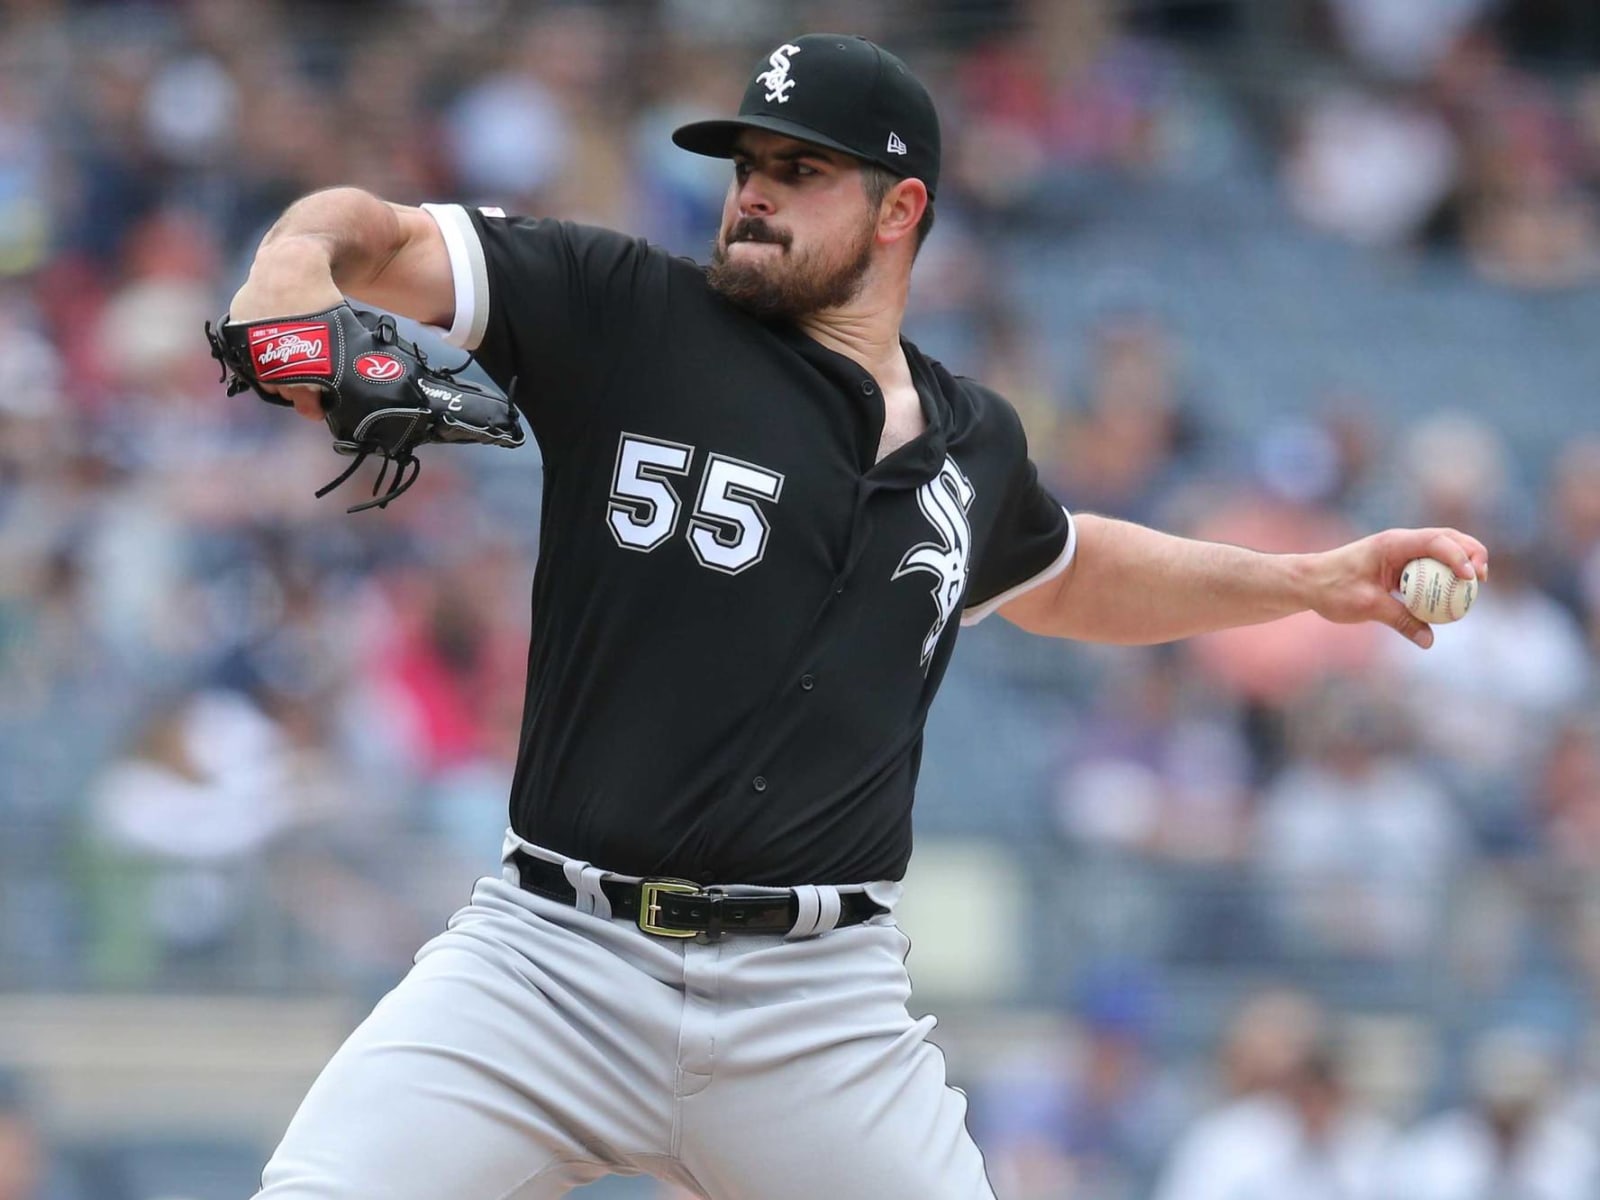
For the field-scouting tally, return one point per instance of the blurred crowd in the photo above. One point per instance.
(248, 742)
(1297, 1105)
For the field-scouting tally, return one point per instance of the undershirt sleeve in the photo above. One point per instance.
(469, 270)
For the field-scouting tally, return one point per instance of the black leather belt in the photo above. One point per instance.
(676, 908)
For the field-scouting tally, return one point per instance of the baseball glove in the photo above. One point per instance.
(380, 396)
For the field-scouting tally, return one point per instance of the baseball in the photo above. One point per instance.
(1434, 592)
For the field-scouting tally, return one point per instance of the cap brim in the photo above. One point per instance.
(715, 139)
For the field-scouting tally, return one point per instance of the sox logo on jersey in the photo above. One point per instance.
(777, 80)
(944, 500)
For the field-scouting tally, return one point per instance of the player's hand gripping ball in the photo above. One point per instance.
(1434, 593)
(380, 395)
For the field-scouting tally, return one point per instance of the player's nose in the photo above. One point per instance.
(753, 199)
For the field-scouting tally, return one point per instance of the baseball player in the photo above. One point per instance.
(766, 514)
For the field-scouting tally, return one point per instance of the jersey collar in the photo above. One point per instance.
(920, 459)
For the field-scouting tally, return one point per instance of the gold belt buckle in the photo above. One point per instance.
(650, 906)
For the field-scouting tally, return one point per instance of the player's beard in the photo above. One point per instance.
(792, 285)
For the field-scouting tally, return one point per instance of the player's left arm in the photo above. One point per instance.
(1131, 585)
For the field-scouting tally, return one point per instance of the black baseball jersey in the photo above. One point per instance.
(739, 617)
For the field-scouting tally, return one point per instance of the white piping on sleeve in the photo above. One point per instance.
(469, 270)
(972, 616)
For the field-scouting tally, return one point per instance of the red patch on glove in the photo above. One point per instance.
(280, 350)
(380, 368)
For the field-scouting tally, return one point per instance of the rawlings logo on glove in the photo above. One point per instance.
(280, 350)
(380, 368)
(380, 396)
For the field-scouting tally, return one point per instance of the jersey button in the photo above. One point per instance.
(868, 387)
(807, 682)
(759, 783)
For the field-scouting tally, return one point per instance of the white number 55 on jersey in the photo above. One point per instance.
(727, 532)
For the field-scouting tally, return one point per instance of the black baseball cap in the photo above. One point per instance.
(835, 90)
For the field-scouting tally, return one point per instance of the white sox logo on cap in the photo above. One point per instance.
(846, 94)
(777, 80)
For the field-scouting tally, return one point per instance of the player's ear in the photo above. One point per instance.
(901, 210)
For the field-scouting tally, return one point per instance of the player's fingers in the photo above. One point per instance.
(307, 401)
(1450, 548)
(1476, 551)
(1395, 615)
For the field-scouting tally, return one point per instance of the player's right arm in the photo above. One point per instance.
(1129, 585)
(347, 242)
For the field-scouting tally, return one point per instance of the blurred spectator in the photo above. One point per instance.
(1009, 358)
(1307, 1137)
(22, 1153)
(1567, 556)
(1124, 1107)
(446, 651)
(543, 134)
(1581, 1105)
(1403, 41)
(27, 220)
(1349, 420)
(1509, 672)
(1520, 660)
(1370, 169)
(1509, 1143)
(1134, 438)
(1558, 878)
(1270, 1032)
(384, 76)
(1453, 468)
(1064, 90)
(1525, 217)
(506, 135)
(680, 195)
(1586, 115)
(205, 790)
(1566, 795)
(191, 104)
(1288, 506)
(1090, 1114)
(1158, 768)
(1019, 1115)
(1356, 840)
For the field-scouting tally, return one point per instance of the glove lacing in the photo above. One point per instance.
(407, 464)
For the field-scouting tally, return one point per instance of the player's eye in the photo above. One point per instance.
(741, 170)
(805, 169)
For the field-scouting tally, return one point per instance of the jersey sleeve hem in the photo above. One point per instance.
(469, 270)
(971, 616)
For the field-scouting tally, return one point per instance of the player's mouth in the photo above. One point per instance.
(754, 231)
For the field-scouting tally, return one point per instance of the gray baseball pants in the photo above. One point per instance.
(537, 1046)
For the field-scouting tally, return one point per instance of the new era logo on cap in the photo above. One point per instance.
(896, 146)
